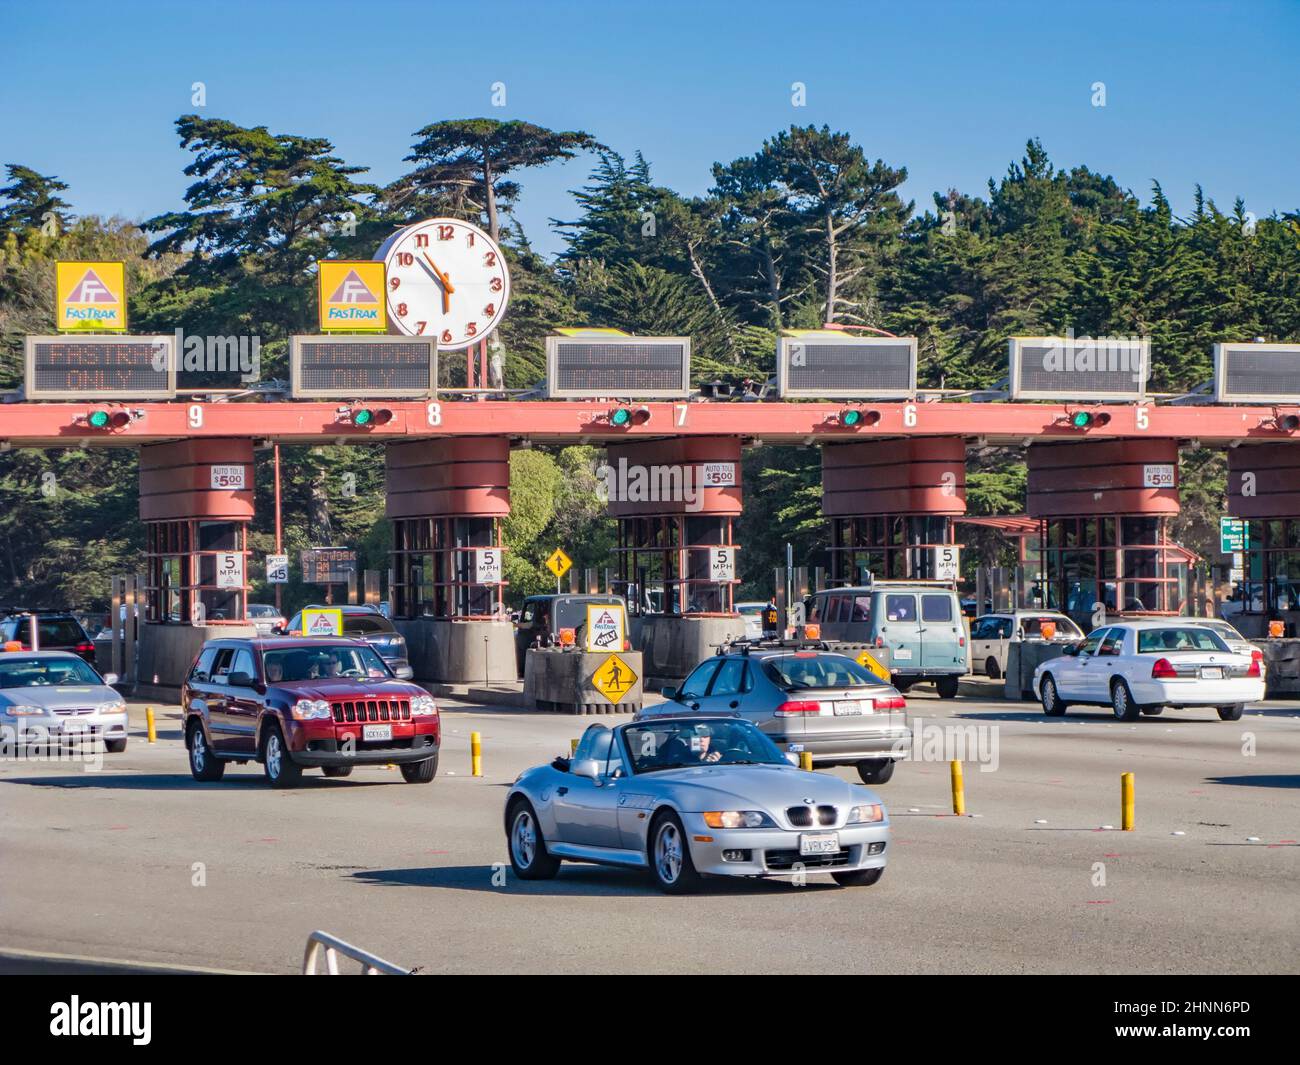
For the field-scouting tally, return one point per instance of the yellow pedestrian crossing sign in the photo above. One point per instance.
(559, 563)
(870, 662)
(614, 679)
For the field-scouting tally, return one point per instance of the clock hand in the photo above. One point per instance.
(443, 279)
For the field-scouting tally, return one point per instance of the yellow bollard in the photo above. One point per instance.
(805, 760)
(573, 747)
(148, 717)
(475, 754)
(958, 790)
(1126, 801)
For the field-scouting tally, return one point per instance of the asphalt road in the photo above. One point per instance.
(137, 863)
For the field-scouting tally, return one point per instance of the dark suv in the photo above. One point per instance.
(367, 623)
(301, 703)
(57, 630)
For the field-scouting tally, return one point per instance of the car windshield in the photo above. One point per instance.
(43, 672)
(1183, 638)
(1033, 626)
(321, 663)
(800, 671)
(261, 610)
(678, 744)
(749, 608)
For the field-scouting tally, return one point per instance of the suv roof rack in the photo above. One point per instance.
(744, 644)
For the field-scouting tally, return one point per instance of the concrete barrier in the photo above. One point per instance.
(562, 681)
(164, 653)
(451, 651)
(1023, 657)
(1281, 666)
(673, 646)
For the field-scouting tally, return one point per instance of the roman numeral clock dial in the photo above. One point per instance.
(446, 278)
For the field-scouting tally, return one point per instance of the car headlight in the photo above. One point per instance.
(865, 815)
(25, 710)
(311, 710)
(423, 706)
(112, 708)
(737, 819)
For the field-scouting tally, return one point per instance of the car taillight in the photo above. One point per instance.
(85, 647)
(894, 702)
(1163, 670)
(961, 641)
(880, 641)
(794, 709)
(1256, 658)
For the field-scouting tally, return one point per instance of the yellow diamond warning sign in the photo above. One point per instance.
(614, 679)
(91, 297)
(559, 563)
(870, 662)
(352, 296)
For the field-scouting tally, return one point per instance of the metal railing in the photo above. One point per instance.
(332, 947)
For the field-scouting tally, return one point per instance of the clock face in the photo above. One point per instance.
(446, 278)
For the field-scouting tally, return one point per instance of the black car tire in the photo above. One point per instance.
(1121, 701)
(280, 769)
(992, 670)
(875, 770)
(336, 771)
(668, 836)
(1153, 711)
(947, 687)
(529, 861)
(204, 765)
(115, 746)
(1050, 697)
(420, 772)
(858, 877)
(1231, 713)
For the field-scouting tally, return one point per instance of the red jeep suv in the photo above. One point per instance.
(294, 704)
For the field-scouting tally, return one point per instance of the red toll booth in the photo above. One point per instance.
(1105, 507)
(676, 501)
(891, 506)
(446, 500)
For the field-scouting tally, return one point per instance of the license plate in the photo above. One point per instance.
(819, 843)
(377, 732)
(1211, 673)
(847, 708)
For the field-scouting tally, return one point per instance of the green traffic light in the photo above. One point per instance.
(620, 417)
(363, 417)
(98, 418)
(850, 418)
(1082, 419)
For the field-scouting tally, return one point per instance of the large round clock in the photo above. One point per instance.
(446, 278)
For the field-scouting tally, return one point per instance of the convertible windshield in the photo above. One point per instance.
(797, 672)
(678, 744)
(40, 672)
(321, 663)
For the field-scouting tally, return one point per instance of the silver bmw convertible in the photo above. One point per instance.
(687, 797)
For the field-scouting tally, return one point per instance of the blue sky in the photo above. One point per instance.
(1195, 91)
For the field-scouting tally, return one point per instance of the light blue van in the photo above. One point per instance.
(917, 624)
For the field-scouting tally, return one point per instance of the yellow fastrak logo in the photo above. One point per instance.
(90, 297)
(351, 296)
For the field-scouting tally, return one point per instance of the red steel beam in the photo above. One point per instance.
(63, 424)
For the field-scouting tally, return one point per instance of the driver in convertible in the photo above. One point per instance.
(690, 746)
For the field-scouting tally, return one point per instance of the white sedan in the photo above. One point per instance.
(1140, 667)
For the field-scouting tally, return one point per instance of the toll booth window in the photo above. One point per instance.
(936, 608)
(219, 536)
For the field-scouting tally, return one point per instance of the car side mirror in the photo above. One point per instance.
(110, 679)
(1071, 649)
(279, 630)
(668, 693)
(239, 680)
(585, 767)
